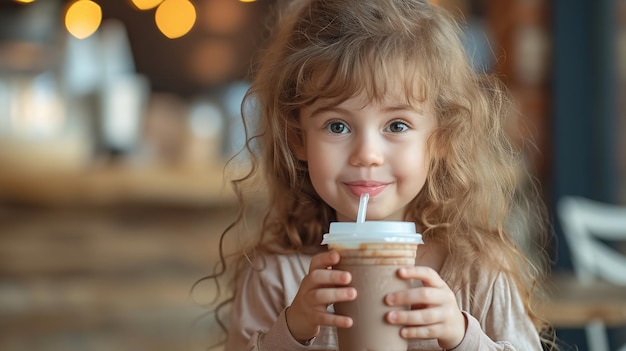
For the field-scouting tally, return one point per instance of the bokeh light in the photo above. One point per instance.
(82, 18)
(223, 17)
(145, 4)
(175, 18)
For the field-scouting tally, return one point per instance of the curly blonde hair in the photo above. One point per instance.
(336, 49)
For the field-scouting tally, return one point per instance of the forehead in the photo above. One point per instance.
(393, 104)
(363, 90)
(390, 100)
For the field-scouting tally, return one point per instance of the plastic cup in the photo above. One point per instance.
(326, 340)
(372, 251)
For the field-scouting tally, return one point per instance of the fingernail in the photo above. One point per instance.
(393, 316)
(333, 255)
(390, 299)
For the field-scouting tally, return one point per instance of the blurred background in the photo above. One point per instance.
(116, 118)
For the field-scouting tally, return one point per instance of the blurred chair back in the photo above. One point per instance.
(587, 226)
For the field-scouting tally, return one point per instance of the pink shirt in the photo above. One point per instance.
(494, 310)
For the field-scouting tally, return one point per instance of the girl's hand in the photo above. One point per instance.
(434, 312)
(319, 288)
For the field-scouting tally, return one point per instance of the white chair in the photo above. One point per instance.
(585, 223)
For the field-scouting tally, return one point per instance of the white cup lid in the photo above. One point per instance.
(351, 234)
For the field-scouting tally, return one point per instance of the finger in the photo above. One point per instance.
(427, 275)
(327, 277)
(431, 331)
(334, 320)
(324, 260)
(422, 296)
(327, 296)
(426, 316)
(447, 337)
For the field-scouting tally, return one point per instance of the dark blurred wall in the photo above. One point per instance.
(212, 55)
(585, 119)
(585, 140)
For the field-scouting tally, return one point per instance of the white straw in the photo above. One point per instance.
(360, 217)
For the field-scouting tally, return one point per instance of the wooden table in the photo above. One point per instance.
(572, 304)
(111, 185)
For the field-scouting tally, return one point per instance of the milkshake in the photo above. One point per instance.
(372, 251)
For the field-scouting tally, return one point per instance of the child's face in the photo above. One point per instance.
(362, 146)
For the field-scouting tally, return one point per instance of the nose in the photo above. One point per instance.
(367, 151)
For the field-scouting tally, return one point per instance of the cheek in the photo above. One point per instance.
(413, 158)
(318, 168)
(412, 167)
(324, 158)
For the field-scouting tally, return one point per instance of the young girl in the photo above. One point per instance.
(378, 97)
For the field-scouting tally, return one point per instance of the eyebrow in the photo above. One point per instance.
(403, 107)
(317, 111)
(387, 109)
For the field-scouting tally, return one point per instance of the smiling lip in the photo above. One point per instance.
(369, 187)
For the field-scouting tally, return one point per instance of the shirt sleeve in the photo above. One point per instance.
(257, 316)
(499, 322)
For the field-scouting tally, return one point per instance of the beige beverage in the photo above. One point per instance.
(372, 252)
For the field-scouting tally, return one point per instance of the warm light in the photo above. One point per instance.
(83, 18)
(212, 61)
(223, 17)
(24, 1)
(175, 18)
(247, 0)
(146, 4)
